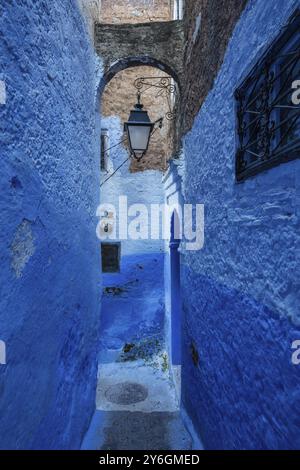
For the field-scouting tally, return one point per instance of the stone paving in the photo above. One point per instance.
(136, 409)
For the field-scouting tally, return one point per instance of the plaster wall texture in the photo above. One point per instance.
(120, 94)
(50, 266)
(241, 292)
(173, 184)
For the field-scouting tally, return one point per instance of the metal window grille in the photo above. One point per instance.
(268, 121)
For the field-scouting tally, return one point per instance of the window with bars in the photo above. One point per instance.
(104, 149)
(268, 120)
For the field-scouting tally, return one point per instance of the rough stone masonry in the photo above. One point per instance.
(159, 44)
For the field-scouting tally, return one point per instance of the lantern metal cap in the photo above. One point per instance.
(138, 115)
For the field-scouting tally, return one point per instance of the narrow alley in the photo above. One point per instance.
(137, 404)
(150, 226)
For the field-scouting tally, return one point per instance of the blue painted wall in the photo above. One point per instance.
(174, 187)
(241, 292)
(50, 266)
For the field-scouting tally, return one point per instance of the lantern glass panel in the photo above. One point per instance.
(139, 136)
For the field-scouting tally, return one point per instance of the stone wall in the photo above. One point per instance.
(135, 315)
(208, 28)
(50, 266)
(241, 292)
(135, 11)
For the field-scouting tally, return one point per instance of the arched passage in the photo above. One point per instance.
(135, 61)
(156, 67)
(137, 317)
(160, 44)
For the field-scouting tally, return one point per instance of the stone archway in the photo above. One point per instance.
(135, 61)
(159, 44)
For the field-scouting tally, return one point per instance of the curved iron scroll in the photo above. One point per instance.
(165, 87)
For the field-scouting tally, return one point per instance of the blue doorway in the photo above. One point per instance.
(176, 307)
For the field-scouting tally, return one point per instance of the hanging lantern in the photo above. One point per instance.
(139, 129)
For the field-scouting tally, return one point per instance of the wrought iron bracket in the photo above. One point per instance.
(165, 87)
